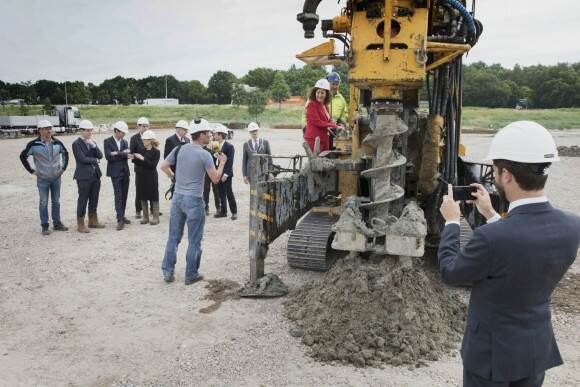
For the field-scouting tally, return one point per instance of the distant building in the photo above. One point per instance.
(161, 101)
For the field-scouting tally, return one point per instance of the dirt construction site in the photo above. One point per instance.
(93, 309)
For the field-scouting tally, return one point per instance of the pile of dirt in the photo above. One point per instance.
(373, 312)
(569, 151)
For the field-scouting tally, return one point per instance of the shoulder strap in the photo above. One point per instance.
(176, 154)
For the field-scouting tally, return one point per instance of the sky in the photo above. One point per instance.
(67, 40)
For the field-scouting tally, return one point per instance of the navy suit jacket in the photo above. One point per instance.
(171, 142)
(229, 150)
(117, 164)
(513, 264)
(87, 160)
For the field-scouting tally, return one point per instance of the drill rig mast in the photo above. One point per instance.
(378, 191)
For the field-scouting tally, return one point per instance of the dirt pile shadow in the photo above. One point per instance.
(371, 313)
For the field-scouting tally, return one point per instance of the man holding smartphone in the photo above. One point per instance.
(513, 264)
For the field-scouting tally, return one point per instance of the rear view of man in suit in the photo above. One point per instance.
(255, 145)
(179, 138)
(225, 184)
(117, 153)
(88, 176)
(513, 264)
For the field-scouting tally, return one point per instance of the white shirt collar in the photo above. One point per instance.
(522, 202)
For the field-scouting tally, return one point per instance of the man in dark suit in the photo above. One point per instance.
(225, 184)
(136, 146)
(513, 264)
(179, 138)
(117, 153)
(255, 145)
(88, 176)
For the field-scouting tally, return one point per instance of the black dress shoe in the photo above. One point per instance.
(58, 226)
(126, 221)
(194, 280)
(220, 215)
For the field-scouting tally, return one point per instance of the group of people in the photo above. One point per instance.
(51, 159)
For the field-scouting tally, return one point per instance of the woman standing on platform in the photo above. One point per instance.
(318, 120)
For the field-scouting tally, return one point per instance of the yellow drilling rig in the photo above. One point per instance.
(378, 191)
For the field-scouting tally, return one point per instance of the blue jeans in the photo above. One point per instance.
(44, 187)
(190, 209)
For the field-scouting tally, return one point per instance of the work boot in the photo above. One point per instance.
(145, 219)
(193, 280)
(120, 225)
(155, 211)
(58, 226)
(126, 221)
(234, 216)
(220, 215)
(207, 210)
(45, 229)
(94, 221)
(138, 214)
(81, 226)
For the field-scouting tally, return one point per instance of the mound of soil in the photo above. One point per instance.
(374, 312)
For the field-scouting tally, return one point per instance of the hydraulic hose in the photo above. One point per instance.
(465, 13)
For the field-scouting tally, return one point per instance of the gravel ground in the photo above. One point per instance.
(92, 310)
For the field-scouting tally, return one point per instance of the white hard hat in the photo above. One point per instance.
(121, 126)
(252, 127)
(219, 128)
(142, 121)
(148, 135)
(198, 125)
(322, 84)
(44, 124)
(523, 142)
(86, 124)
(182, 124)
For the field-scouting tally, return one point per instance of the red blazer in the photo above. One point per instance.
(317, 122)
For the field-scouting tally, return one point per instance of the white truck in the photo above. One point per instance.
(65, 119)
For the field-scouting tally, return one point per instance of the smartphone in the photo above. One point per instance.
(463, 192)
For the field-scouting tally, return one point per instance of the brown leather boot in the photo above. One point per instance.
(145, 219)
(155, 211)
(94, 221)
(81, 226)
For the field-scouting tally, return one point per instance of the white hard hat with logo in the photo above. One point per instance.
(182, 124)
(322, 84)
(523, 142)
(44, 124)
(121, 126)
(252, 127)
(142, 121)
(148, 135)
(198, 125)
(86, 124)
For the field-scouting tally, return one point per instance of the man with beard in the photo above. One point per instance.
(513, 264)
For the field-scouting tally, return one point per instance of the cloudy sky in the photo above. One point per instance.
(191, 39)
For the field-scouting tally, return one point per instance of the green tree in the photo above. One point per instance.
(46, 105)
(257, 103)
(102, 97)
(239, 95)
(220, 84)
(280, 90)
(126, 97)
(301, 80)
(260, 77)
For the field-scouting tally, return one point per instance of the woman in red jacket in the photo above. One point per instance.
(318, 119)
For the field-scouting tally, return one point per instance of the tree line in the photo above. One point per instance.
(484, 85)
